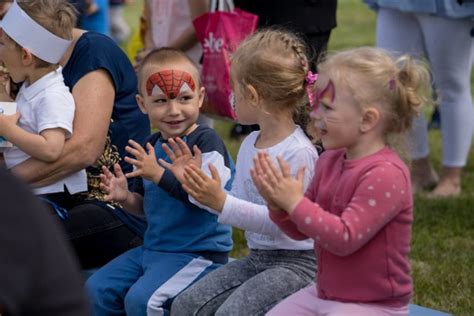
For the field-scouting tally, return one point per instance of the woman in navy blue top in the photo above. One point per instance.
(104, 86)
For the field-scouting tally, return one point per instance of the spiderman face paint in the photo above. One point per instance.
(170, 83)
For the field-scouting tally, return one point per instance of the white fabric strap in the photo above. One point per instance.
(176, 284)
(29, 34)
(220, 5)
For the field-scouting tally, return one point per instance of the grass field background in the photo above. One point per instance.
(443, 232)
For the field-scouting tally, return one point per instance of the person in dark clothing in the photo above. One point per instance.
(313, 20)
(39, 274)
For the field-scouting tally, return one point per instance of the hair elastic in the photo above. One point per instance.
(32, 36)
(310, 80)
(392, 84)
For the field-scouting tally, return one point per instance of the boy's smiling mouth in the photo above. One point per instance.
(174, 122)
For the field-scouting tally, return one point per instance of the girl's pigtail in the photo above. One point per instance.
(412, 88)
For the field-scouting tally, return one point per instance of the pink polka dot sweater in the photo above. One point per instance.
(359, 213)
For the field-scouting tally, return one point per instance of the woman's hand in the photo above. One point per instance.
(276, 185)
(145, 163)
(180, 156)
(114, 186)
(205, 190)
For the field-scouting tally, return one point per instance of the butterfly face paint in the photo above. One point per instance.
(170, 83)
(327, 95)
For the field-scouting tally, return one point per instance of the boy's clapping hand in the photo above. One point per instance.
(145, 163)
(180, 156)
(115, 186)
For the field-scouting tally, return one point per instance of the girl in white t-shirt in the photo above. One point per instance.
(270, 78)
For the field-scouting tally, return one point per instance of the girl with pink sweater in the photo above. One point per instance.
(359, 207)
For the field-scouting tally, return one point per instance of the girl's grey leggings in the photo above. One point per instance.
(248, 286)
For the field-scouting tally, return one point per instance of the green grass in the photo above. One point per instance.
(443, 231)
(443, 254)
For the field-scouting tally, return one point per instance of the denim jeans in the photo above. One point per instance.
(95, 232)
(248, 286)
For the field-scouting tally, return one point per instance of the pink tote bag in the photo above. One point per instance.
(220, 32)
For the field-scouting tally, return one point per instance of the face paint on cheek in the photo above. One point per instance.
(170, 83)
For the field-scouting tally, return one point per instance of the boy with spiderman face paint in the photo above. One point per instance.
(171, 100)
(183, 242)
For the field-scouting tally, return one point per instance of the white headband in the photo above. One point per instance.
(29, 34)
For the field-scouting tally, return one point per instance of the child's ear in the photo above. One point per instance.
(252, 95)
(202, 94)
(141, 103)
(370, 119)
(26, 57)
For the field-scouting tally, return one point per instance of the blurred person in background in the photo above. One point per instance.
(119, 29)
(312, 19)
(441, 32)
(93, 15)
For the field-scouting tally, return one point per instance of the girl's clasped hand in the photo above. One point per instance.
(187, 169)
(277, 185)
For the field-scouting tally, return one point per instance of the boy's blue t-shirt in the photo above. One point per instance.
(94, 51)
(175, 224)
